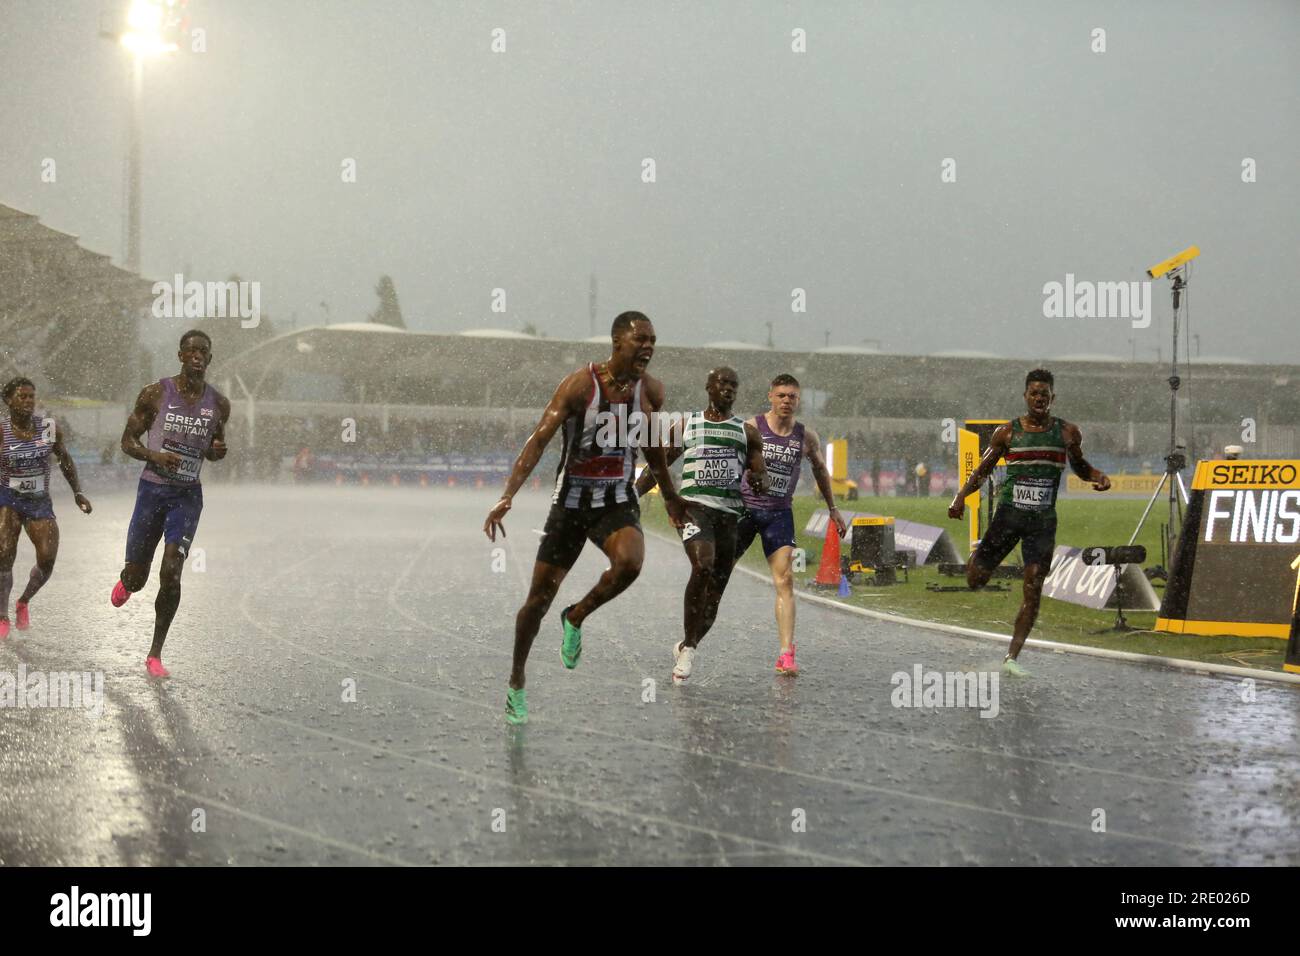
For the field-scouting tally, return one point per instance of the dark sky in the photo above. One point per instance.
(775, 170)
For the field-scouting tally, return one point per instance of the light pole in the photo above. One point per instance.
(149, 23)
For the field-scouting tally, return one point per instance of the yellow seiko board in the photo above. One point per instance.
(1235, 566)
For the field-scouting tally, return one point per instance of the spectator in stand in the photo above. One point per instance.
(302, 465)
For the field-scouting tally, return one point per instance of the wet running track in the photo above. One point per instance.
(250, 753)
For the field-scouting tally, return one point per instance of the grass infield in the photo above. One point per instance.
(1082, 522)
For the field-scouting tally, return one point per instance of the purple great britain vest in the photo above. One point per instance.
(185, 428)
(783, 456)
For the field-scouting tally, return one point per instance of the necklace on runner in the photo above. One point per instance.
(612, 383)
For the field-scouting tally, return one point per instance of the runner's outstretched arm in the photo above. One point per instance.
(997, 448)
(1078, 464)
(559, 408)
(999, 444)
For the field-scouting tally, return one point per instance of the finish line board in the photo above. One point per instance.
(1236, 567)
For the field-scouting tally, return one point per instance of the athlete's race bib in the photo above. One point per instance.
(719, 472)
(777, 485)
(27, 484)
(191, 461)
(718, 475)
(1033, 494)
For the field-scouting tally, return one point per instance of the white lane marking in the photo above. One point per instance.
(1033, 642)
(681, 750)
(589, 804)
(913, 738)
(207, 801)
(697, 752)
(692, 752)
(1196, 667)
(593, 805)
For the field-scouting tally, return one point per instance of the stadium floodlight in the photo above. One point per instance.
(1173, 262)
(145, 23)
(151, 29)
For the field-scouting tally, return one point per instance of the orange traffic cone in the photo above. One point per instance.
(828, 572)
(424, 481)
(395, 480)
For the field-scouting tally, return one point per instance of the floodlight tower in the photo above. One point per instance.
(149, 31)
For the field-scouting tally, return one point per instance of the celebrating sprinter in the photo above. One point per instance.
(594, 496)
(1036, 447)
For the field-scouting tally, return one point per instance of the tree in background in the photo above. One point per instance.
(389, 312)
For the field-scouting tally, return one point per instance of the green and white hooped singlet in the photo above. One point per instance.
(1035, 461)
(714, 462)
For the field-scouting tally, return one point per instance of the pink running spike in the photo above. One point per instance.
(119, 595)
(4, 628)
(22, 618)
(785, 663)
(155, 667)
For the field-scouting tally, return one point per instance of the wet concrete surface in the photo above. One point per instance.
(306, 590)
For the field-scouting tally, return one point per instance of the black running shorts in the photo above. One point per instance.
(1035, 534)
(568, 529)
(710, 524)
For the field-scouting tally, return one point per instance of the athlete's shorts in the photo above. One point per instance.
(568, 529)
(713, 525)
(774, 525)
(29, 508)
(169, 512)
(1036, 535)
